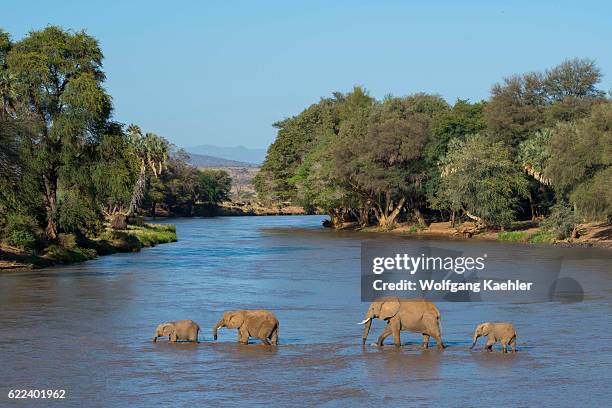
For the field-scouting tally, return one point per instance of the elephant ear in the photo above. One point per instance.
(236, 319)
(389, 308)
(167, 329)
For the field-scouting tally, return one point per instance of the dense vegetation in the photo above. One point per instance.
(540, 146)
(67, 170)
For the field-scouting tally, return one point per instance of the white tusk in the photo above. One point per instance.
(365, 321)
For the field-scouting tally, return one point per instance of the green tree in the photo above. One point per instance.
(213, 186)
(296, 138)
(318, 185)
(463, 119)
(382, 163)
(533, 155)
(580, 163)
(7, 92)
(152, 152)
(480, 179)
(523, 104)
(114, 172)
(58, 76)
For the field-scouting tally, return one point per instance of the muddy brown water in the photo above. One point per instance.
(87, 328)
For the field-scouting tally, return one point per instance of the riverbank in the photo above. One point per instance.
(245, 208)
(67, 250)
(588, 235)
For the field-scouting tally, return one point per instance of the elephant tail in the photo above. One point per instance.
(439, 322)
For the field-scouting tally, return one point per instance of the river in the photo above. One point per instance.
(87, 328)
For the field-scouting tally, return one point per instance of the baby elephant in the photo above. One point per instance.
(179, 330)
(260, 324)
(496, 332)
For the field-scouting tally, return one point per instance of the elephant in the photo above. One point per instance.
(179, 330)
(496, 332)
(261, 324)
(415, 315)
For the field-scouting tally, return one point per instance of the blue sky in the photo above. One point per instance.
(221, 72)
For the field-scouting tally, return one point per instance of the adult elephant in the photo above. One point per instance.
(414, 315)
(260, 324)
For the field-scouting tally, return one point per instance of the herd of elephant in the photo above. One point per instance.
(419, 316)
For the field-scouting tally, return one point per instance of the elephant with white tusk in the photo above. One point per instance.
(179, 330)
(415, 315)
(261, 324)
(496, 332)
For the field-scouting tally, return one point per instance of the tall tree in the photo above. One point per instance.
(480, 179)
(152, 151)
(7, 91)
(58, 74)
(522, 104)
(379, 158)
(580, 163)
(296, 137)
(114, 172)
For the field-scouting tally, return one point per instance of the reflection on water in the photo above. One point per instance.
(87, 328)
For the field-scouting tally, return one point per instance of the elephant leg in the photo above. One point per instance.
(504, 347)
(386, 332)
(439, 344)
(513, 344)
(395, 330)
(425, 340)
(274, 336)
(243, 336)
(431, 325)
(173, 337)
(489, 345)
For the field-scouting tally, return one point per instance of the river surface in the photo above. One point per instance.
(87, 328)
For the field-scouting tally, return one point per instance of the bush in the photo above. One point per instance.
(67, 241)
(512, 236)
(161, 227)
(153, 234)
(542, 237)
(561, 221)
(77, 215)
(65, 255)
(22, 231)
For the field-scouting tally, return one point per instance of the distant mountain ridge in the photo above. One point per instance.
(204, 160)
(236, 153)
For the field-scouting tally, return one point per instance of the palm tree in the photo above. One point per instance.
(152, 151)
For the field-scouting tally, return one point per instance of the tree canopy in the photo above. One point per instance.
(416, 157)
(65, 166)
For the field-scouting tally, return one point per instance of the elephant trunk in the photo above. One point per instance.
(366, 330)
(476, 336)
(157, 334)
(219, 324)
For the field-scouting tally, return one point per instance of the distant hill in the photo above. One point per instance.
(203, 160)
(236, 153)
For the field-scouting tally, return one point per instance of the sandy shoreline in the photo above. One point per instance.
(597, 235)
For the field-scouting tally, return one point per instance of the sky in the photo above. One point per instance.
(222, 72)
